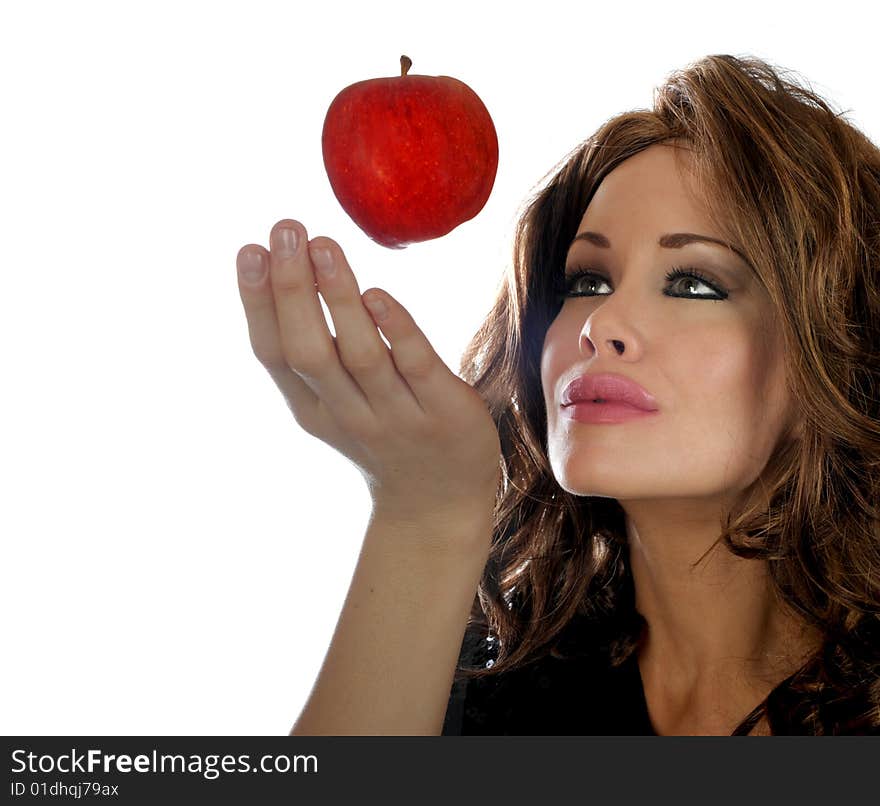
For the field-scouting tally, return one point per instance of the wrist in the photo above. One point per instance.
(465, 529)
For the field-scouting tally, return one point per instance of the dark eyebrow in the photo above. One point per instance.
(671, 240)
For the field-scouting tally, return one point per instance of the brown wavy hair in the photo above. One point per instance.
(798, 187)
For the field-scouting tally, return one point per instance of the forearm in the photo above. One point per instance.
(391, 661)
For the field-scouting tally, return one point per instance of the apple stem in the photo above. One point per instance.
(405, 64)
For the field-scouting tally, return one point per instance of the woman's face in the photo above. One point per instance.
(714, 366)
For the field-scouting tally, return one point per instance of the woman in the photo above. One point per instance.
(705, 561)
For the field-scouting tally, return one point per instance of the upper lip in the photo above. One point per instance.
(608, 386)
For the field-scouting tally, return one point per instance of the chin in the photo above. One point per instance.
(591, 487)
(600, 492)
(602, 478)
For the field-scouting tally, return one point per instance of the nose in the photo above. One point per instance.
(613, 329)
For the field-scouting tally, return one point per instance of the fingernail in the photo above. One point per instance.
(287, 241)
(250, 265)
(377, 307)
(323, 261)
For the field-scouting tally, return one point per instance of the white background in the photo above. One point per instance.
(176, 550)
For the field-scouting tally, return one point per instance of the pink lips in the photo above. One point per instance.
(610, 388)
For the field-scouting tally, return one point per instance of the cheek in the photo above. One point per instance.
(741, 394)
(555, 359)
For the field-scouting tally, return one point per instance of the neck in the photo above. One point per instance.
(718, 637)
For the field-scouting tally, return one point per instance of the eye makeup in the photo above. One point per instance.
(676, 277)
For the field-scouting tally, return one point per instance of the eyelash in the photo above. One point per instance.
(674, 274)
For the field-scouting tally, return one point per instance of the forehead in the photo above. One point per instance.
(654, 188)
(652, 200)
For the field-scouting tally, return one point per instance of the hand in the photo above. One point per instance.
(423, 438)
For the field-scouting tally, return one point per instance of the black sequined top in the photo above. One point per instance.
(576, 696)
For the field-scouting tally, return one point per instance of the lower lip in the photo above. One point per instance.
(605, 413)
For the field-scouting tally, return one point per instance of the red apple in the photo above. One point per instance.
(409, 157)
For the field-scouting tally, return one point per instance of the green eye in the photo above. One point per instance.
(677, 273)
